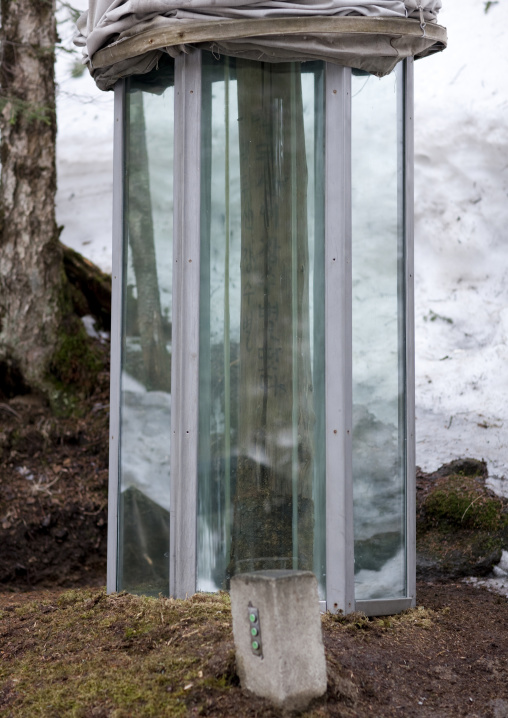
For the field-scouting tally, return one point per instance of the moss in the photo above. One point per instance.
(462, 526)
(74, 359)
(463, 502)
(464, 467)
(77, 596)
(418, 617)
(119, 655)
(25, 609)
(351, 620)
(74, 368)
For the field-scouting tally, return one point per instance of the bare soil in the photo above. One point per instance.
(53, 490)
(81, 653)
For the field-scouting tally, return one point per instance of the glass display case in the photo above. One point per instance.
(262, 344)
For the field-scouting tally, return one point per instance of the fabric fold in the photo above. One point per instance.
(110, 22)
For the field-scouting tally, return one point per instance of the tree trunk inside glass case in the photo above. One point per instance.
(156, 359)
(273, 521)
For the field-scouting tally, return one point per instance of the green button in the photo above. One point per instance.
(255, 645)
(252, 617)
(254, 631)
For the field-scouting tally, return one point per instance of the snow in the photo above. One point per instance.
(498, 584)
(84, 158)
(461, 252)
(461, 228)
(146, 416)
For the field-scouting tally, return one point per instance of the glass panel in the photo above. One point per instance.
(146, 351)
(261, 449)
(378, 336)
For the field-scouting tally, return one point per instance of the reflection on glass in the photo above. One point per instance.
(378, 337)
(261, 447)
(146, 350)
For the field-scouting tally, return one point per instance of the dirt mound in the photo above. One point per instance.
(462, 525)
(53, 498)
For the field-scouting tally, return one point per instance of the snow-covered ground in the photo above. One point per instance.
(461, 201)
(461, 232)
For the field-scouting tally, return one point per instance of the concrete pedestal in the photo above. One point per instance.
(277, 630)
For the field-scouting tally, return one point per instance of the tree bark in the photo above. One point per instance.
(32, 282)
(156, 358)
(273, 507)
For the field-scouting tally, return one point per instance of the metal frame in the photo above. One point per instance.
(383, 606)
(388, 606)
(338, 342)
(338, 339)
(410, 330)
(116, 333)
(185, 357)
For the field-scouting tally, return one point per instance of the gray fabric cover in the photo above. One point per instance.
(111, 21)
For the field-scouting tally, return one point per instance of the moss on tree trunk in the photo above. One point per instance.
(40, 337)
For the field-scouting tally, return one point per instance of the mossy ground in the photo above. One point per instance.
(87, 653)
(463, 502)
(83, 654)
(462, 525)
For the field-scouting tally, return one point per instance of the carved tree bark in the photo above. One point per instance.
(31, 271)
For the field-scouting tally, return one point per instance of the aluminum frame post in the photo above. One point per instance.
(410, 329)
(116, 333)
(185, 357)
(338, 343)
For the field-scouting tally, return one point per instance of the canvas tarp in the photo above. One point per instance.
(136, 32)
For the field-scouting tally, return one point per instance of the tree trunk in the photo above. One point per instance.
(156, 358)
(273, 508)
(31, 272)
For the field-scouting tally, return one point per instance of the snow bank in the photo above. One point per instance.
(461, 178)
